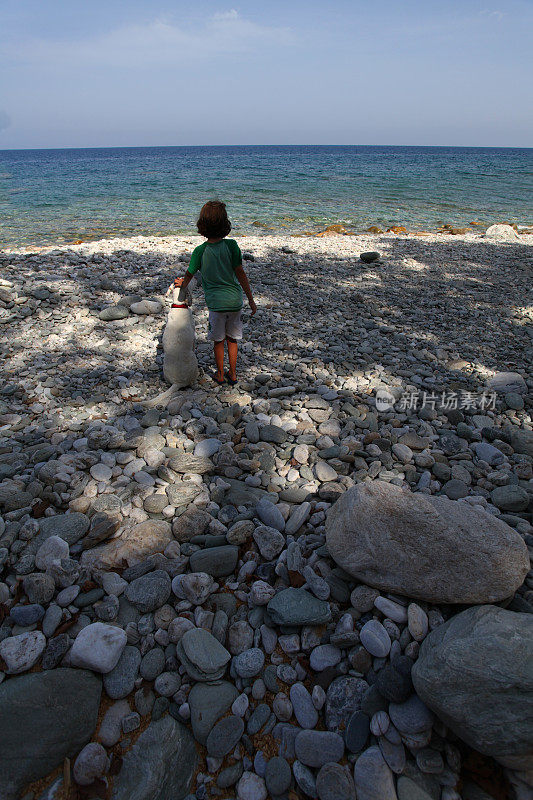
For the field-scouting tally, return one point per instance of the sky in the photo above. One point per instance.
(113, 73)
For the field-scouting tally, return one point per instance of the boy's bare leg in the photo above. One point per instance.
(232, 357)
(218, 348)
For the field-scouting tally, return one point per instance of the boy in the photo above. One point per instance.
(223, 278)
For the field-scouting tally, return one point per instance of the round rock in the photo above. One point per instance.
(375, 639)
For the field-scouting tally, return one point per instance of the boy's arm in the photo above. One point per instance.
(243, 280)
(182, 296)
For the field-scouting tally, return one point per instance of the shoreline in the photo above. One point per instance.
(329, 234)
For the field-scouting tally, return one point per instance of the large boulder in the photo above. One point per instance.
(159, 766)
(45, 717)
(502, 232)
(476, 673)
(425, 547)
(131, 546)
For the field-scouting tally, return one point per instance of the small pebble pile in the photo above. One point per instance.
(274, 590)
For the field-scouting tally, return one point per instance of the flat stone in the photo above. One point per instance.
(277, 776)
(188, 463)
(363, 598)
(209, 702)
(418, 622)
(357, 732)
(113, 312)
(203, 655)
(409, 790)
(411, 717)
(241, 494)
(45, 717)
(325, 472)
(315, 748)
(375, 638)
(398, 541)
(510, 498)
(21, 652)
(110, 729)
(224, 736)
(324, 656)
(394, 755)
(131, 546)
(298, 518)
(160, 765)
(334, 782)
(392, 610)
(145, 307)
(369, 257)
(27, 615)
(270, 515)
(372, 777)
(305, 779)
(150, 591)
(273, 433)
(207, 447)
(215, 561)
(182, 493)
(504, 382)
(302, 703)
(152, 664)
(298, 607)
(98, 647)
(120, 682)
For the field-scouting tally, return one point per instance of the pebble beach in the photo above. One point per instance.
(314, 584)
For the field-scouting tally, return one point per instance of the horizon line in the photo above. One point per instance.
(294, 144)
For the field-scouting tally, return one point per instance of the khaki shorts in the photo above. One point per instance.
(224, 323)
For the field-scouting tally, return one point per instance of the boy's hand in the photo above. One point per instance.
(253, 307)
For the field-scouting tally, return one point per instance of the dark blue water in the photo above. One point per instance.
(49, 196)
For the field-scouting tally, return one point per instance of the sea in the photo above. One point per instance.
(52, 197)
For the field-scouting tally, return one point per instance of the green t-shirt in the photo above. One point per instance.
(217, 262)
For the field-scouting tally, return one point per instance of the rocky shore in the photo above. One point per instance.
(316, 584)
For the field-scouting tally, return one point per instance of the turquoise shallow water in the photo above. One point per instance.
(49, 196)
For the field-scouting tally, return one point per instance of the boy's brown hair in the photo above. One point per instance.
(213, 222)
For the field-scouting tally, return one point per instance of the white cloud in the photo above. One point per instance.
(498, 15)
(159, 42)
